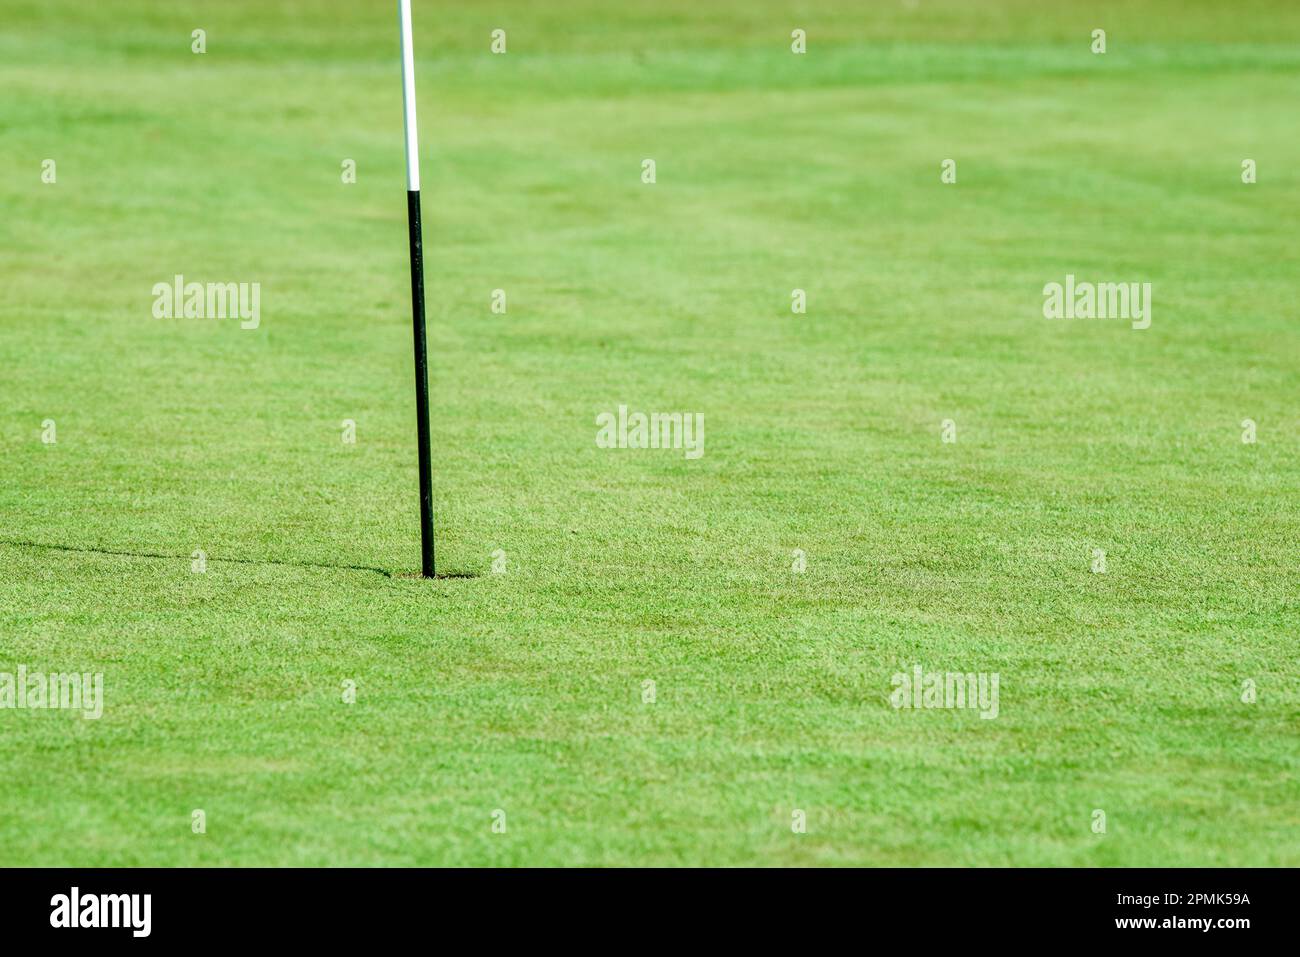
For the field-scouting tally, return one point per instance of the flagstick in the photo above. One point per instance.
(417, 289)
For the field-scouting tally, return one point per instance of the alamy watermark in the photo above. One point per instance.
(1102, 300)
(655, 430)
(33, 690)
(130, 911)
(946, 689)
(179, 299)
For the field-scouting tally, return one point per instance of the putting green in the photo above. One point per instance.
(650, 679)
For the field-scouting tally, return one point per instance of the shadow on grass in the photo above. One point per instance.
(237, 561)
(440, 576)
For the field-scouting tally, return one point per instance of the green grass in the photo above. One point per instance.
(523, 691)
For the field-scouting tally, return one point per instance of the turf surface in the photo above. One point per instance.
(524, 692)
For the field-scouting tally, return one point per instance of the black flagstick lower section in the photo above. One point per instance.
(421, 382)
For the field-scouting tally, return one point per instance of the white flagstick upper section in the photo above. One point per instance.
(408, 98)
